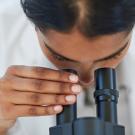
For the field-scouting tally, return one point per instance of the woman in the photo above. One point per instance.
(99, 35)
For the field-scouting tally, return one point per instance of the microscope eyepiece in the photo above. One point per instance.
(106, 95)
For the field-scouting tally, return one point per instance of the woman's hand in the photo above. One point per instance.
(34, 91)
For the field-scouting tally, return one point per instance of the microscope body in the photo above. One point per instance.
(106, 123)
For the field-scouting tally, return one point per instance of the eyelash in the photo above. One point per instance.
(116, 56)
(58, 57)
(62, 59)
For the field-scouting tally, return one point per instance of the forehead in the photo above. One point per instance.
(75, 45)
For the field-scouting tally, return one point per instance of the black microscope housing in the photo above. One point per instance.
(106, 99)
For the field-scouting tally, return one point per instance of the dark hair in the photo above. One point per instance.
(91, 17)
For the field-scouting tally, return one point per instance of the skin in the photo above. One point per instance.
(35, 91)
(73, 45)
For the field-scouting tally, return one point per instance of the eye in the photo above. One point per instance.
(70, 71)
(58, 57)
(115, 57)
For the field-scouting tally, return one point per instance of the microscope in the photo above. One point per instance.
(106, 121)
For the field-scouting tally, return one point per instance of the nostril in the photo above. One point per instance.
(86, 79)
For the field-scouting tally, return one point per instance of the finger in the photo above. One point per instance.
(43, 73)
(30, 98)
(44, 86)
(31, 110)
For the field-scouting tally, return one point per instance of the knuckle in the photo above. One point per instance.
(47, 110)
(61, 75)
(65, 88)
(38, 84)
(8, 108)
(39, 71)
(62, 87)
(10, 81)
(5, 109)
(2, 82)
(35, 98)
(3, 95)
(12, 68)
(32, 111)
(58, 99)
(7, 84)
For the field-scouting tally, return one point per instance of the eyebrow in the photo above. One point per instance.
(105, 58)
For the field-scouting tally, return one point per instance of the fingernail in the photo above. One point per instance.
(73, 78)
(70, 98)
(76, 88)
(58, 108)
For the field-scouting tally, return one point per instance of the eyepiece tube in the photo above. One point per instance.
(106, 95)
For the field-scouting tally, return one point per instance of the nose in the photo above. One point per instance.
(86, 79)
(86, 74)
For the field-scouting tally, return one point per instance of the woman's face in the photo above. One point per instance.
(74, 51)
